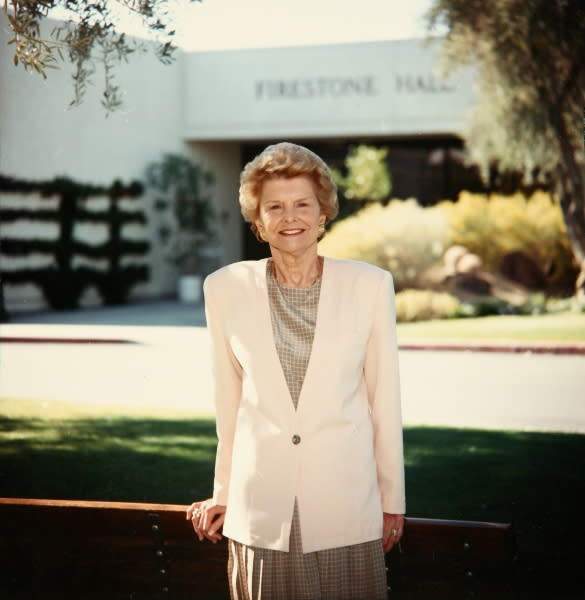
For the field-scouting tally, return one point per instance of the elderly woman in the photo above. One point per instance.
(309, 475)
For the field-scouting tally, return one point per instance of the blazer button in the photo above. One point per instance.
(296, 439)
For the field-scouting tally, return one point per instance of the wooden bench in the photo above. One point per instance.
(112, 550)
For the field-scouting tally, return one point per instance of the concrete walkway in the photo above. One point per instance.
(155, 356)
(166, 313)
(79, 325)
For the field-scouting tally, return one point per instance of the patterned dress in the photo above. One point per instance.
(346, 573)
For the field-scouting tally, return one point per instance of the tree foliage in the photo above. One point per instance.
(186, 188)
(91, 34)
(367, 178)
(528, 117)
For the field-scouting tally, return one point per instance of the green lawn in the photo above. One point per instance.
(565, 327)
(534, 480)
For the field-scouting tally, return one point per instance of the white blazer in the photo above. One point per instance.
(340, 453)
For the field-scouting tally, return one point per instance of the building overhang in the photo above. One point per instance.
(374, 89)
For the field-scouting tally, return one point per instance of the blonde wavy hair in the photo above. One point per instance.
(286, 160)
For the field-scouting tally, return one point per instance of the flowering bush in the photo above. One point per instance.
(407, 240)
(492, 226)
(422, 305)
(402, 237)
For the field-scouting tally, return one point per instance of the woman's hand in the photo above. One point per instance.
(393, 528)
(207, 519)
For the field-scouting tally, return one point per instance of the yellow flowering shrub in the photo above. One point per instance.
(423, 305)
(407, 239)
(402, 237)
(492, 226)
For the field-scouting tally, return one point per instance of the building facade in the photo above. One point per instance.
(220, 108)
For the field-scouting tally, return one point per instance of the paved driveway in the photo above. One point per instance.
(167, 368)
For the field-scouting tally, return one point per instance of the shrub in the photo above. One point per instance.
(489, 307)
(573, 304)
(423, 305)
(64, 203)
(402, 237)
(367, 175)
(186, 187)
(492, 226)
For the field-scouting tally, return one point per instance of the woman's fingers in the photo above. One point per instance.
(386, 540)
(207, 518)
(215, 524)
(212, 520)
(400, 526)
(393, 529)
(194, 514)
(192, 510)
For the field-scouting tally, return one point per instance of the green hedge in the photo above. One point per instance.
(62, 284)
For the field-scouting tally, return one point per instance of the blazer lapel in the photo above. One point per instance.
(265, 332)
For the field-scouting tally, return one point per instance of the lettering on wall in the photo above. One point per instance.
(411, 84)
(340, 87)
(318, 87)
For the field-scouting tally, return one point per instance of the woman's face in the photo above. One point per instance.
(289, 213)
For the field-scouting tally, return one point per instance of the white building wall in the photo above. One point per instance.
(41, 137)
(223, 159)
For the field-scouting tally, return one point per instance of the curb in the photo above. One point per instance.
(72, 340)
(410, 345)
(510, 348)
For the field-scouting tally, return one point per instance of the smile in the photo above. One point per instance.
(291, 231)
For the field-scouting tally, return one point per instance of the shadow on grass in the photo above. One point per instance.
(107, 459)
(536, 481)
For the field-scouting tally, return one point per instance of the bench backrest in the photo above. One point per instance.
(69, 549)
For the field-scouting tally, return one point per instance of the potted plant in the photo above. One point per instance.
(185, 188)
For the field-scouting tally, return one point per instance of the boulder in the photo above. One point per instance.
(522, 269)
(452, 256)
(469, 264)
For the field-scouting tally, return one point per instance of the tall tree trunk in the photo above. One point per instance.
(571, 191)
(575, 223)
